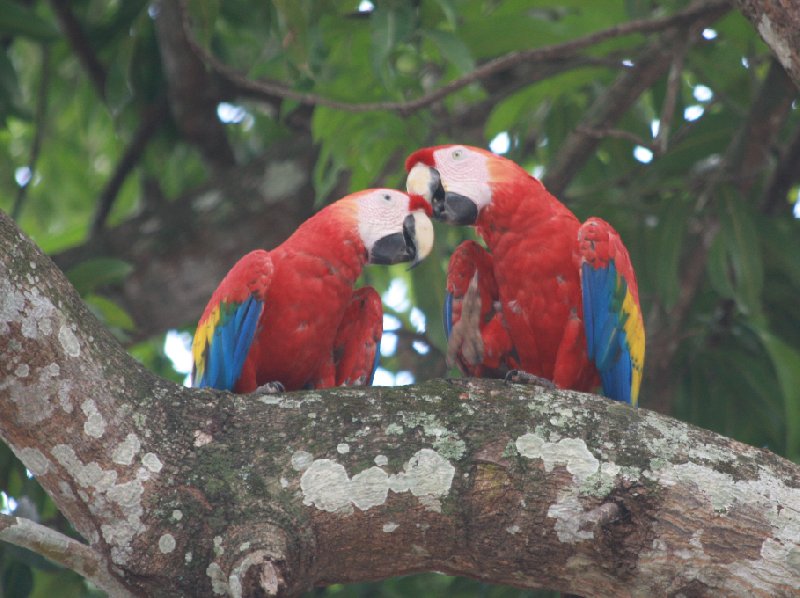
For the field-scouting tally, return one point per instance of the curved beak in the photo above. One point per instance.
(412, 245)
(447, 206)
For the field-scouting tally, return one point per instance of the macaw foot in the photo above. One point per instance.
(272, 388)
(465, 337)
(523, 377)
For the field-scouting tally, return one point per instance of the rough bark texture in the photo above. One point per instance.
(195, 492)
(778, 24)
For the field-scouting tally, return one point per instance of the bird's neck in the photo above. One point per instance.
(332, 240)
(523, 207)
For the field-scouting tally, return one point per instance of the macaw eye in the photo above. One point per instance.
(457, 154)
(387, 197)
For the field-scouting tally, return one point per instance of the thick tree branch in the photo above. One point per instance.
(203, 493)
(778, 24)
(61, 550)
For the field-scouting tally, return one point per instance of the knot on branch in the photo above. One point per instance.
(259, 560)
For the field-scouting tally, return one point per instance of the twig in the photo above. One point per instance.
(62, 550)
(80, 43)
(152, 118)
(39, 123)
(670, 99)
(615, 133)
(270, 90)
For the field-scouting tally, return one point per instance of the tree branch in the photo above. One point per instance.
(152, 118)
(193, 95)
(62, 550)
(270, 91)
(777, 23)
(80, 44)
(617, 99)
(40, 121)
(199, 492)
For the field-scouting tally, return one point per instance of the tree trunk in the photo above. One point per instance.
(778, 24)
(196, 492)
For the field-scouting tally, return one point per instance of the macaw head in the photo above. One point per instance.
(458, 180)
(393, 226)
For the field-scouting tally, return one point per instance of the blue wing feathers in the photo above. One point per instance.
(448, 314)
(607, 346)
(231, 343)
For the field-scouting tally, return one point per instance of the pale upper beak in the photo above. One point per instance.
(447, 206)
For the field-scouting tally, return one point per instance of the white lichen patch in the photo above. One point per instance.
(219, 549)
(201, 438)
(95, 425)
(569, 452)
(34, 460)
(152, 462)
(446, 442)
(343, 448)
(369, 488)
(301, 460)
(119, 504)
(394, 429)
(22, 370)
(33, 394)
(219, 584)
(126, 450)
(166, 543)
(381, 460)
(68, 340)
(390, 527)
(326, 485)
(177, 515)
(569, 516)
(427, 472)
(513, 529)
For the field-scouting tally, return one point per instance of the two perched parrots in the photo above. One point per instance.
(552, 297)
(290, 317)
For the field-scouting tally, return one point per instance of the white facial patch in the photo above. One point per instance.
(465, 172)
(381, 213)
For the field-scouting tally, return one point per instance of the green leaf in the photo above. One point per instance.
(739, 233)
(452, 49)
(17, 19)
(17, 580)
(786, 360)
(111, 314)
(97, 272)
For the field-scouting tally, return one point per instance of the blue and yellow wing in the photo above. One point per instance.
(611, 313)
(228, 326)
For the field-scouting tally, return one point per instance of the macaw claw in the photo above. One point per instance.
(523, 377)
(272, 388)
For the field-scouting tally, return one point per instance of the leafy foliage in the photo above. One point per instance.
(727, 341)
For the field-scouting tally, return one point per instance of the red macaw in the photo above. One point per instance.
(289, 318)
(551, 297)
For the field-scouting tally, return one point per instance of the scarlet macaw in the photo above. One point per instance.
(551, 297)
(289, 318)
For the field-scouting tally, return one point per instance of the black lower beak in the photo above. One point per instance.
(455, 209)
(397, 247)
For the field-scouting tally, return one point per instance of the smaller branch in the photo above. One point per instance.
(39, 123)
(670, 99)
(80, 43)
(153, 116)
(62, 550)
(616, 134)
(270, 90)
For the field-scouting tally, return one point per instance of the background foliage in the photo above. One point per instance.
(686, 138)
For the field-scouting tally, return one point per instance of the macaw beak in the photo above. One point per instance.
(413, 245)
(447, 206)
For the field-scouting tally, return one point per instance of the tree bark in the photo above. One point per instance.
(197, 492)
(778, 24)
